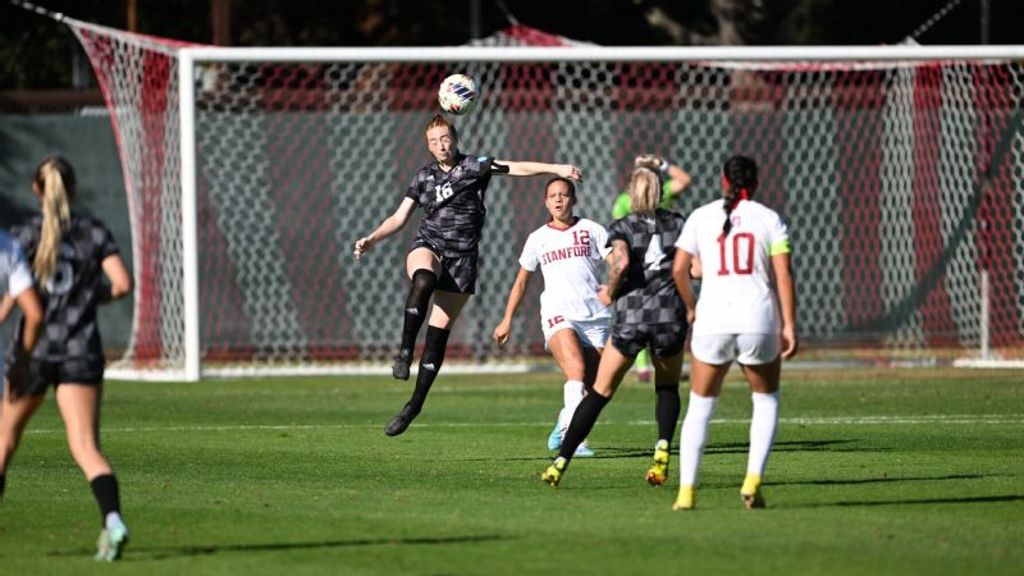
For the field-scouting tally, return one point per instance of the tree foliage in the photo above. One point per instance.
(36, 52)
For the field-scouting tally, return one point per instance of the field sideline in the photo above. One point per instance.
(876, 471)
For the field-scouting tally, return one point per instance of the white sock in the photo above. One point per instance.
(572, 395)
(762, 430)
(111, 519)
(693, 435)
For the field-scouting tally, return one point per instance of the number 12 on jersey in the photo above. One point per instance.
(742, 248)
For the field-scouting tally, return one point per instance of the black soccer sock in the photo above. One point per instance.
(104, 489)
(666, 411)
(430, 364)
(423, 282)
(582, 423)
(3, 484)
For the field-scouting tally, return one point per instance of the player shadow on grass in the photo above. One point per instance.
(165, 552)
(730, 448)
(915, 501)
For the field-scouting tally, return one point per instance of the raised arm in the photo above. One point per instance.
(510, 168)
(515, 297)
(681, 273)
(787, 303)
(389, 226)
(618, 263)
(678, 179)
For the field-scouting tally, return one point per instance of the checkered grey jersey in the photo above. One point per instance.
(453, 203)
(648, 294)
(72, 293)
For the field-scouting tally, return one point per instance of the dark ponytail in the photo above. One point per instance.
(739, 181)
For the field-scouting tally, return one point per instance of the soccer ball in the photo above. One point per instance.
(458, 94)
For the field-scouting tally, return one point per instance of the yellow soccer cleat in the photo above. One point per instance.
(553, 475)
(658, 472)
(751, 492)
(686, 499)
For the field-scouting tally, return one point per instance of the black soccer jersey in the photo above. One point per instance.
(648, 294)
(70, 296)
(453, 203)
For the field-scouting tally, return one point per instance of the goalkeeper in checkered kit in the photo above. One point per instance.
(441, 262)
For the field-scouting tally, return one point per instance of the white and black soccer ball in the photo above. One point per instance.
(458, 94)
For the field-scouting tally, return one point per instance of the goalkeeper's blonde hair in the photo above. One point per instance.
(644, 191)
(55, 182)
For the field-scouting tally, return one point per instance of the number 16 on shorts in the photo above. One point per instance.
(554, 321)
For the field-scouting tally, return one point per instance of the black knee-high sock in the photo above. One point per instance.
(666, 411)
(430, 364)
(3, 484)
(423, 282)
(582, 423)
(104, 489)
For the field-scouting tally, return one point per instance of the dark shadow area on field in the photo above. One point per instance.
(613, 452)
(884, 479)
(912, 502)
(163, 553)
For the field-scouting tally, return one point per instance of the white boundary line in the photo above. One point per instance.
(954, 419)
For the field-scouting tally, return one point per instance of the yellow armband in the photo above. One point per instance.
(780, 247)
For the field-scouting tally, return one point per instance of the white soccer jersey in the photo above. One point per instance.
(15, 277)
(736, 294)
(568, 260)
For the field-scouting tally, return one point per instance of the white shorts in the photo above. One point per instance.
(749, 349)
(591, 332)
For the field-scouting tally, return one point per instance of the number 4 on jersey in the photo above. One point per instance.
(655, 255)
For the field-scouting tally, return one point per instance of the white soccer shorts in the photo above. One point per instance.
(748, 349)
(591, 332)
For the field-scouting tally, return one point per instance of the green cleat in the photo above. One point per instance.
(658, 472)
(111, 542)
(553, 475)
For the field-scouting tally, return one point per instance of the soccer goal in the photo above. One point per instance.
(251, 172)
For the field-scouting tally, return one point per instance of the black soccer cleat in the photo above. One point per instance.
(401, 421)
(400, 369)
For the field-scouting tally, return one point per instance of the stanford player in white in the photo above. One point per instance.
(574, 322)
(746, 312)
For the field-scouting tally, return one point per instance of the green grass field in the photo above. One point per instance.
(874, 472)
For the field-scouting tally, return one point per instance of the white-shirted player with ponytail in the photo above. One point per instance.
(575, 324)
(746, 312)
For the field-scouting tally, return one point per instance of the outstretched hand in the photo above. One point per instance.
(572, 172)
(363, 246)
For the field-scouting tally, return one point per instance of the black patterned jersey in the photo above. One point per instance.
(648, 294)
(453, 203)
(70, 296)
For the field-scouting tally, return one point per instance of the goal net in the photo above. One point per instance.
(900, 171)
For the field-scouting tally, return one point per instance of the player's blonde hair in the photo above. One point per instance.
(644, 191)
(438, 121)
(55, 180)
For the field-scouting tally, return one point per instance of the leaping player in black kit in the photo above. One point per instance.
(442, 258)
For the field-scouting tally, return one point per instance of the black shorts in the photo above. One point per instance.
(665, 340)
(41, 375)
(458, 271)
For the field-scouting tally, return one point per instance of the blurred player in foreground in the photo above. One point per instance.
(746, 312)
(574, 321)
(442, 258)
(77, 266)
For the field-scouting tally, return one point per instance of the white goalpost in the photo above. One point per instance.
(251, 171)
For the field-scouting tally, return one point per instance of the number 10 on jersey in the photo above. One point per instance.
(742, 248)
